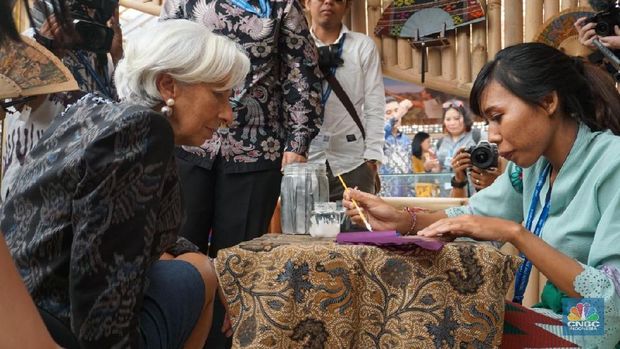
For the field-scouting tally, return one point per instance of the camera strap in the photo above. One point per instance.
(332, 71)
(263, 12)
(334, 85)
(103, 86)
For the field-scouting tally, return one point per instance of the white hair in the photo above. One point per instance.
(185, 50)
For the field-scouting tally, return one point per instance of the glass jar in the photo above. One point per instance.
(325, 220)
(302, 186)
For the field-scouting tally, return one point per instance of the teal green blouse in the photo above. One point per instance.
(584, 217)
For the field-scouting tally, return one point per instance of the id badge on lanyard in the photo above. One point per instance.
(523, 274)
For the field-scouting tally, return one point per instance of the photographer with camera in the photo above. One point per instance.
(477, 166)
(601, 33)
(457, 125)
(604, 25)
(350, 141)
(89, 47)
(587, 34)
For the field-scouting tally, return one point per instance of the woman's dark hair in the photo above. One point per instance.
(416, 143)
(531, 71)
(8, 29)
(460, 107)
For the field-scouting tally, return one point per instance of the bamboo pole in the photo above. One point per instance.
(552, 8)
(448, 58)
(434, 61)
(566, 4)
(416, 62)
(494, 26)
(403, 54)
(479, 47)
(346, 20)
(21, 16)
(463, 54)
(374, 13)
(433, 82)
(533, 18)
(389, 51)
(358, 16)
(513, 22)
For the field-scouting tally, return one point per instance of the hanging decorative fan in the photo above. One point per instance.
(427, 20)
(559, 31)
(28, 69)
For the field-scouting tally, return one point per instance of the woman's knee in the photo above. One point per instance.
(207, 272)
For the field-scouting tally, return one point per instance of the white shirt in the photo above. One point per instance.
(362, 79)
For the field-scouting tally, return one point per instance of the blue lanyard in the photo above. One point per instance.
(524, 270)
(265, 7)
(104, 87)
(328, 90)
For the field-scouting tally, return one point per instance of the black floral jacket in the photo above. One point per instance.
(279, 108)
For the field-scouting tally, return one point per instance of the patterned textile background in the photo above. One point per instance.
(291, 291)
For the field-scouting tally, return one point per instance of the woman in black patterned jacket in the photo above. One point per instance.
(92, 220)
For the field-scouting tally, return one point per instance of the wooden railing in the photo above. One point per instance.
(452, 68)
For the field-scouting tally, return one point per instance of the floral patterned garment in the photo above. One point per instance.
(279, 107)
(94, 205)
(25, 126)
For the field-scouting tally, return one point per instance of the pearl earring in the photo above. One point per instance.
(167, 109)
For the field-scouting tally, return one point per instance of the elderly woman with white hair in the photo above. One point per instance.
(92, 220)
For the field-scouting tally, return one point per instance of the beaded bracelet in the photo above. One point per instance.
(414, 218)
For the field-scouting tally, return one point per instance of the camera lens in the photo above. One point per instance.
(602, 29)
(481, 157)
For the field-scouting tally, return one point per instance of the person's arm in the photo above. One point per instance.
(383, 216)
(116, 237)
(21, 325)
(116, 50)
(300, 79)
(388, 126)
(374, 101)
(460, 163)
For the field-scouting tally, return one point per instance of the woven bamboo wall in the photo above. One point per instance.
(450, 69)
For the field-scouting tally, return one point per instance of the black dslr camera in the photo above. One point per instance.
(95, 36)
(606, 18)
(484, 155)
(329, 57)
(89, 21)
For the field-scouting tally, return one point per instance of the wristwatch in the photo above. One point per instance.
(457, 184)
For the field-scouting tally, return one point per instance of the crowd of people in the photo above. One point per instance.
(117, 196)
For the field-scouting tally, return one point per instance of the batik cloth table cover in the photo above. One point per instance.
(291, 291)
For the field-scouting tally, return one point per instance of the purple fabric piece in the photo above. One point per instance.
(614, 274)
(390, 239)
